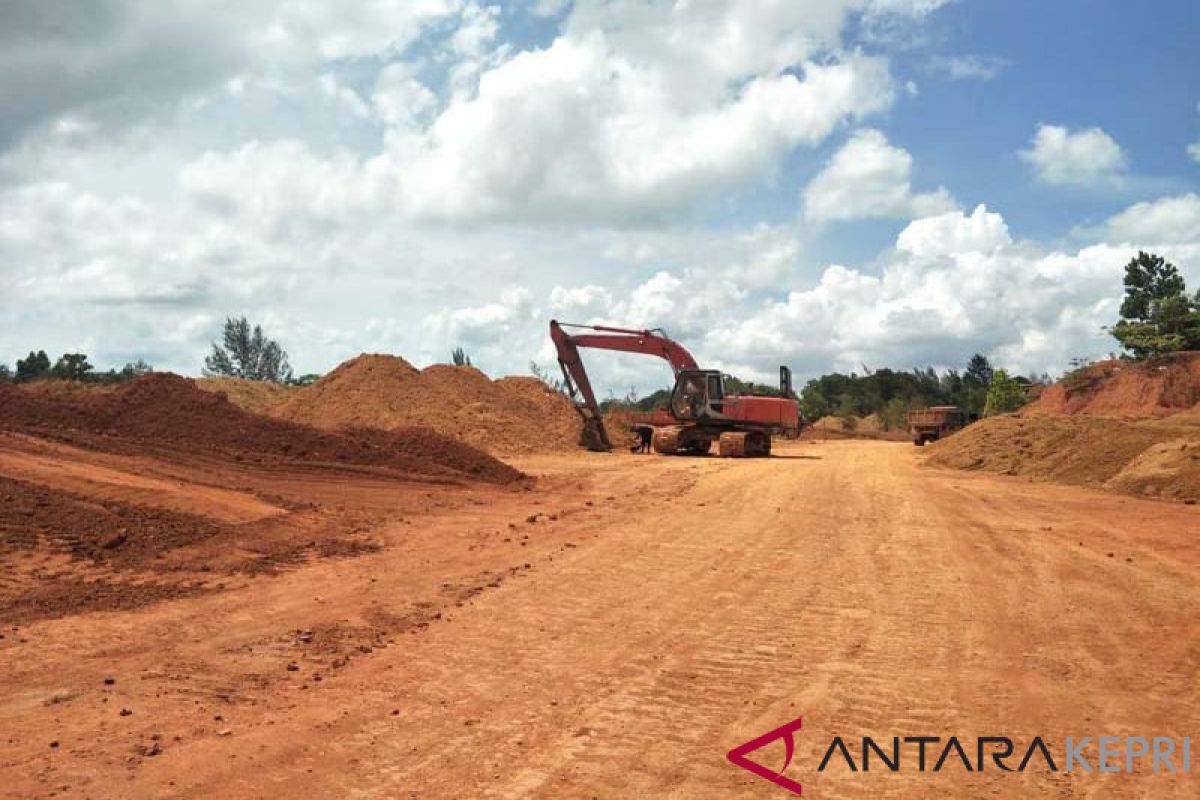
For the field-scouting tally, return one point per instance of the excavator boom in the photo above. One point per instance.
(601, 337)
(700, 408)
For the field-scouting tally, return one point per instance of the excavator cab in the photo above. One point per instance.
(698, 394)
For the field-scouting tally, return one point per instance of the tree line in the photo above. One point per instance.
(69, 366)
(978, 389)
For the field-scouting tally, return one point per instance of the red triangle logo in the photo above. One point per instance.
(738, 756)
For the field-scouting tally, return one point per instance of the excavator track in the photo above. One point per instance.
(677, 440)
(666, 440)
(737, 444)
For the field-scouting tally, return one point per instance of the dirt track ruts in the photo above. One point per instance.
(706, 602)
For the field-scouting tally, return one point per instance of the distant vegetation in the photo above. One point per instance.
(887, 393)
(1004, 394)
(459, 357)
(247, 353)
(69, 366)
(890, 394)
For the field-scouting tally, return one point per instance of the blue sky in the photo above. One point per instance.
(1131, 69)
(824, 183)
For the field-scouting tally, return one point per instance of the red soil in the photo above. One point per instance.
(168, 412)
(507, 416)
(1154, 388)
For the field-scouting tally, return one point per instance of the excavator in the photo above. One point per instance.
(700, 410)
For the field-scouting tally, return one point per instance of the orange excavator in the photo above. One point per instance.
(700, 410)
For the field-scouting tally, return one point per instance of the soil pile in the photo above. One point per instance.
(868, 427)
(508, 416)
(1131, 427)
(257, 396)
(831, 424)
(1158, 387)
(101, 530)
(870, 424)
(169, 413)
(57, 387)
(1151, 457)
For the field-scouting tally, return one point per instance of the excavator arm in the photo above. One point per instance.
(647, 342)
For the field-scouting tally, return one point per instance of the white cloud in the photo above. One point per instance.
(344, 96)
(586, 300)
(914, 8)
(655, 300)
(118, 62)
(868, 177)
(765, 257)
(1166, 220)
(549, 8)
(277, 185)
(477, 30)
(969, 67)
(398, 176)
(1086, 157)
(577, 130)
(488, 331)
(955, 233)
(1193, 150)
(955, 285)
(303, 29)
(400, 99)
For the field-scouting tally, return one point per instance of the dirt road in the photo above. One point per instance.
(615, 630)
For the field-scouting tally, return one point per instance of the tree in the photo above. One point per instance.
(5, 374)
(247, 353)
(813, 402)
(1005, 394)
(460, 357)
(979, 372)
(848, 410)
(72, 366)
(35, 365)
(1149, 278)
(1157, 315)
(134, 369)
(894, 414)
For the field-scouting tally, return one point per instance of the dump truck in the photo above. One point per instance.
(931, 424)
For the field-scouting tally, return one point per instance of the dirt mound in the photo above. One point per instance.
(871, 424)
(100, 530)
(868, 427)
(370, 391)
(1158, 387)
(1153, 457)
(57, 387)
(256, 396)
(507, 416)
(168, 412)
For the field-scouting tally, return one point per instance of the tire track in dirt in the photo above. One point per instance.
(630, 645)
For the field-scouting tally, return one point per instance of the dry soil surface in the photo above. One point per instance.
(613, 630)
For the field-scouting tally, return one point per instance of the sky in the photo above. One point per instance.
(829, 184)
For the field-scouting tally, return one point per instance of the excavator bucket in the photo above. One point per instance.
(594, 437)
